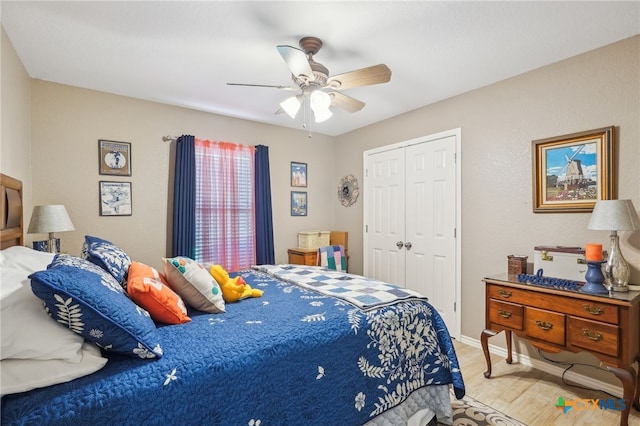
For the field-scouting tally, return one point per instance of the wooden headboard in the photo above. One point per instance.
(12, 233)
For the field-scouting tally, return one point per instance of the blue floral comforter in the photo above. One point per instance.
(294, 356)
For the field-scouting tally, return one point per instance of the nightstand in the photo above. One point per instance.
(302, 256)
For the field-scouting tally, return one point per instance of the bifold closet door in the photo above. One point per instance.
(410, 219)
(430, 200)
(384, 216)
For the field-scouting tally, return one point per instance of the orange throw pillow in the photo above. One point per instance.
(149, 290)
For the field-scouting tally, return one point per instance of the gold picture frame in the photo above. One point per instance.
(571, 172)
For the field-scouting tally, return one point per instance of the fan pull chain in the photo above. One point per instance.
(307, 116)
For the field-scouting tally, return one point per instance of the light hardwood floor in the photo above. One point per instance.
(529, 395)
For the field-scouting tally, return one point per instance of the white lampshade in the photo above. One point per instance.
(614, 215)
(291, 106)
(49, 218)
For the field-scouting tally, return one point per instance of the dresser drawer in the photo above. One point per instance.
(594, 336)
(545, 325)
(302, 257)
(592, 310)
(506, 314)
(509, 294)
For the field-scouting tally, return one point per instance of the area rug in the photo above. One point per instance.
(470, 412)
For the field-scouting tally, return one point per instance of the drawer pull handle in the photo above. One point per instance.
(546, 326)
(593, 310)
(504, 314)
(592, 335)
(504, 293)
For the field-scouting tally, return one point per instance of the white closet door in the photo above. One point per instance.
(410, 217)
(385, 217)
(430, 245)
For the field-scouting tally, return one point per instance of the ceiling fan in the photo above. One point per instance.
(313, 80)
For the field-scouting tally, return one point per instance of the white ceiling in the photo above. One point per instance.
(183, 53)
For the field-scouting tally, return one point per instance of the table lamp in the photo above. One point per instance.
(614, 216)
(50, 219)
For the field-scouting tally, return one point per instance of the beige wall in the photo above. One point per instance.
(596, 89)
(15, 118)
(69, 121)
(593, 90)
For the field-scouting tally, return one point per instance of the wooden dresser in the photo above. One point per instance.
(557, 320)
(307, 256)
(302, 256)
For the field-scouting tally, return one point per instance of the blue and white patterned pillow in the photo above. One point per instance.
(108, 256)
(87, 300)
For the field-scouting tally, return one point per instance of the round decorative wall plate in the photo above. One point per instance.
(348, 190)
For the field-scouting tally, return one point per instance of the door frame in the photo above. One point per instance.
(457, 133)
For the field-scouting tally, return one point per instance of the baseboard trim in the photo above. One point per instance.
(547, 367)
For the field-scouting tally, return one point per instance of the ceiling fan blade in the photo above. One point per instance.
(264, 85)
(345, 102)
(375, 74)
(297, 61)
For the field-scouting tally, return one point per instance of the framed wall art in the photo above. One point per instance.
(298, 174)
(115, 198)
(114, 158)
(572, 172)
(298, 203)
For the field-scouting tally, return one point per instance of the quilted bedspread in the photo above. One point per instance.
(294, 356)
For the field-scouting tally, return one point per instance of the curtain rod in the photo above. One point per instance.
(169, 138)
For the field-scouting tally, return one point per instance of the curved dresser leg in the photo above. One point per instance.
(628, 379)
(507, 335)
(484, 341)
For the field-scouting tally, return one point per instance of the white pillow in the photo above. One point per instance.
(26, 329)
(21, 375)
(24, 259)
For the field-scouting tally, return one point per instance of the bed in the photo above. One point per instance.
(312, 346)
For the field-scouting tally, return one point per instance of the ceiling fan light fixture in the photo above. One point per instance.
(322, 115)
(320, 100)
(291, 106)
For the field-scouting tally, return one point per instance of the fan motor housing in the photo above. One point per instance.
(320, 75)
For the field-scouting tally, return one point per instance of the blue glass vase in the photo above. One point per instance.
(594, 278)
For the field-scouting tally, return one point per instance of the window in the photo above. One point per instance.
(225, 224)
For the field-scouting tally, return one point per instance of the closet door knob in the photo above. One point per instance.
(399, 244)
(408, 245)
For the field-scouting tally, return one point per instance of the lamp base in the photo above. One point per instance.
(619, 288)
(594, 279)
(47, 245)
(617, 269)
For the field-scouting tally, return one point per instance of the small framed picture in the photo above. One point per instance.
(298, 203)
(114, 158)
(299, 174)
(115, 198)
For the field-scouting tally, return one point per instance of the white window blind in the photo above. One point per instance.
(225, 224)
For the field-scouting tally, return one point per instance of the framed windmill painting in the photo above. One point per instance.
(572, 172)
